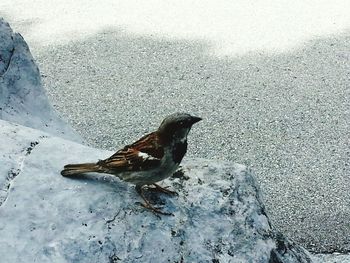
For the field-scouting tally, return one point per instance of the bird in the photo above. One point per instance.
(152, 158)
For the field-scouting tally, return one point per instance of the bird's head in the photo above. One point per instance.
(176, 126)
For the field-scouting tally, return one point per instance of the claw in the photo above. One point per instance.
(148, 205)
(154, 209)
(164, 190)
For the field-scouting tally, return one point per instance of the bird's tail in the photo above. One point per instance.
(74, 169)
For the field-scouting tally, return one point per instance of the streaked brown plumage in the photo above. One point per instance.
(147, 161)
(126, 159)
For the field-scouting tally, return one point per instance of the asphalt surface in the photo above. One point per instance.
(285, 114)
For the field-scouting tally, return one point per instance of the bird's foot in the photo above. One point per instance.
(148, 205)
(158, 188)
(155, 210)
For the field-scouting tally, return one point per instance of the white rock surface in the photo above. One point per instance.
(22, 98)
(44, 217)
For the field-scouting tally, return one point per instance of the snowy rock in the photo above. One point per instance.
(22, 98)
(44, 217)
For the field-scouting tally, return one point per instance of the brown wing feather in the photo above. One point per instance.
(129, 158)
(149, 144)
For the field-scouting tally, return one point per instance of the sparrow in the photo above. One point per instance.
(152, 158)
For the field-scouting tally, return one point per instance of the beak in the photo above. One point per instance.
(195, 119)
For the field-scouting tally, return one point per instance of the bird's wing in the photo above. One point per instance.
(143, 154)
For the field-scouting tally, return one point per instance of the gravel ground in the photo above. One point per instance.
(331, 258)
(284, 114)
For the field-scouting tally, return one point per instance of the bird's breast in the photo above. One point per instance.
(178, 151)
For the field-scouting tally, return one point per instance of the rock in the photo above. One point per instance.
(44, 217)
(22, 98)
(6, 46)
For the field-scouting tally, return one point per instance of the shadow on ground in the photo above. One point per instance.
(286, 115)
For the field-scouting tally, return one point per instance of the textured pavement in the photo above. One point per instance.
(280, 104)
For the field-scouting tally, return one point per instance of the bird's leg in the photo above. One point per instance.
(164, 190)
(147, 204)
